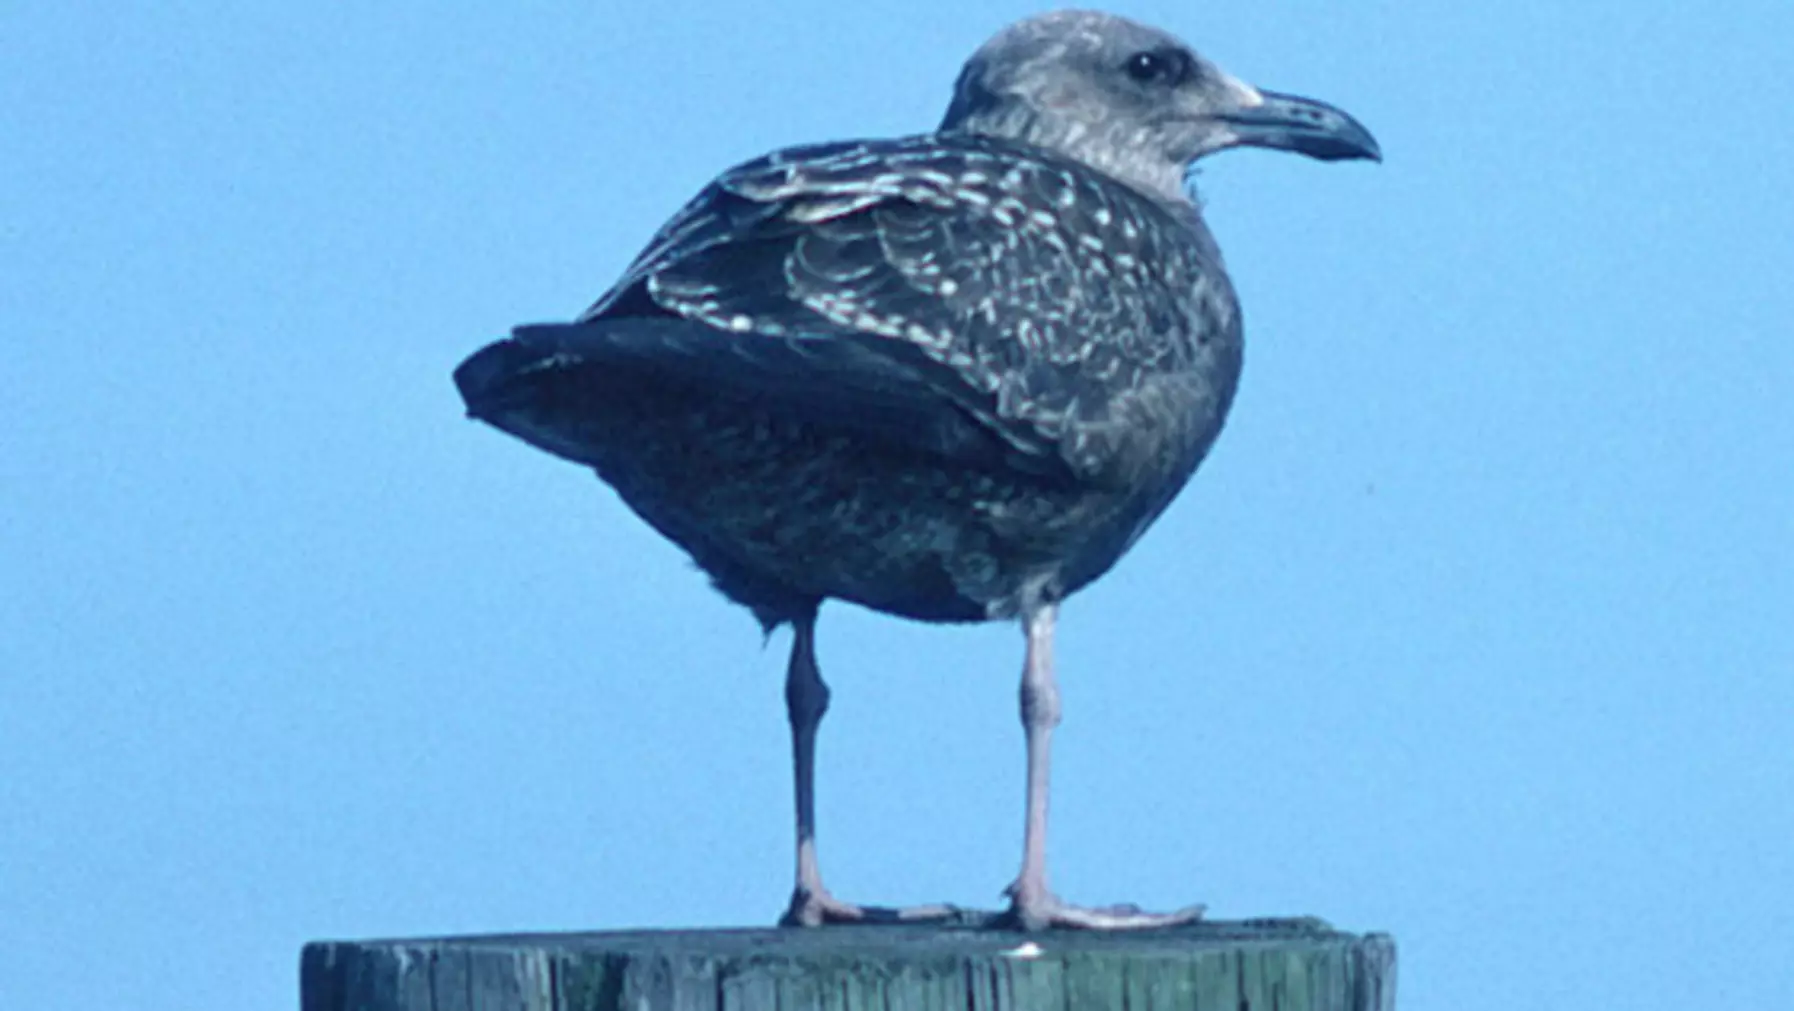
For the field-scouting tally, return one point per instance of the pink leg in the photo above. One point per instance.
(806, 700)
(1032, 904)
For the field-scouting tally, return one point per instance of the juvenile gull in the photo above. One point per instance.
(951, 376)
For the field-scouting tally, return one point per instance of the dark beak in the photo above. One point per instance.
(1303, 125)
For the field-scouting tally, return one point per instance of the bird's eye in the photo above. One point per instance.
(1148, 67)
(1158, 67)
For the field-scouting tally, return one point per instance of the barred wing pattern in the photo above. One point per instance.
(1087, 328)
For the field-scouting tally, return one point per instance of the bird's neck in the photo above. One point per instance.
(1114, 151)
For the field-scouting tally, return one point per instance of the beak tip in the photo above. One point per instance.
(1306, 126)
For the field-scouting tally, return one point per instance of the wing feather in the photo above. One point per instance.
(963, 296)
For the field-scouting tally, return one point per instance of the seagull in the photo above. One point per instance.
(952, 377)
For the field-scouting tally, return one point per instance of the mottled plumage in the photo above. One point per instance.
(953, 376)
(939, 376)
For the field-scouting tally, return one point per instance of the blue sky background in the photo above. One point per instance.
(1477, 627)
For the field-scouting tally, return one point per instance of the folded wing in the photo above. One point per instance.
(981, 303)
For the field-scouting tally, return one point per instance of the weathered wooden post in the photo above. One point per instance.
(1258, 965)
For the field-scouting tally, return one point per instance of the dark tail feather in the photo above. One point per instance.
(551, 384)
(494, 378)
(539, 361)
(541, 392)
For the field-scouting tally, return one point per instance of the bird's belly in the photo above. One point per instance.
(780, 513)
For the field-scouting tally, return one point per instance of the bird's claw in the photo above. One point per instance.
(1044, 911)
(816, 908)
